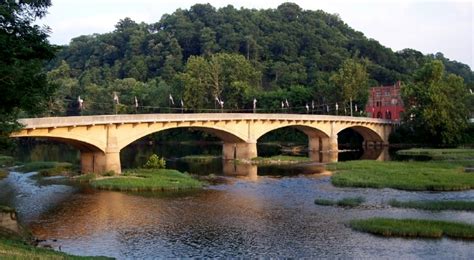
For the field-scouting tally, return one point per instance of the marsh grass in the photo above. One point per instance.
(413, 176)
(46, 169)
(344, 202)
(440, 154)
(21, 246)
(148, 180)
(278, 159)
(413, 228)
(199, 158)
(434, 205)
(17, 249)
(6, 161)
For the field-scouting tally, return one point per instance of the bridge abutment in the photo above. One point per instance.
(231, 151)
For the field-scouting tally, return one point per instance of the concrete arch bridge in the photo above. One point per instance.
(101, 138)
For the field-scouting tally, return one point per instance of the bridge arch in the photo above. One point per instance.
(223, 134)
(368, 134)
(90, 140)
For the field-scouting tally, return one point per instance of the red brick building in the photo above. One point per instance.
(385, 102)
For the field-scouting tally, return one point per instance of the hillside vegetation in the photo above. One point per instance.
(203, 54)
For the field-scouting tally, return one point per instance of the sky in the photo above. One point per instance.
(429, 26)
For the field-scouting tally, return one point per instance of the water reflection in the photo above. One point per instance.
(266, 211)
(274, 217)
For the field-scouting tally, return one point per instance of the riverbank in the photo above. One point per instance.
(147, 180)
(17, 243)
(5, 161)
(411, 175)
(413, 228)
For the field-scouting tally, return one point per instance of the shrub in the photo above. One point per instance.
(155, 162)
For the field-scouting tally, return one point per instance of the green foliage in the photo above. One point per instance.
(229, 77)
(416, 176)
(155, 162)
(414, 228)
(435, 105)
(434, 205)
(148, 180)
(352, 80)
(350, 202)
(236, 54)
(23, 49)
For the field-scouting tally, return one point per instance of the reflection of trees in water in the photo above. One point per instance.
(46, 150)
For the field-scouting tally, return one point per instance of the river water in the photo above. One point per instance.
(255, 212)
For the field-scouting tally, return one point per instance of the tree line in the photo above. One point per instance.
(284, 59)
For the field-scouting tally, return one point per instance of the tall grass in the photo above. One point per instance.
(413, 176)
(434, 205)
(414, 228)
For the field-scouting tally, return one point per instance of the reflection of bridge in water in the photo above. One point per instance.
(101, 138)
(319, 159)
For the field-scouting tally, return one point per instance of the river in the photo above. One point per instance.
(256, 212)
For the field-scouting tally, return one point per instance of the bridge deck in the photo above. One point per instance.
(46, 122)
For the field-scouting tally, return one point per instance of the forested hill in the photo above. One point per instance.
(284, 47)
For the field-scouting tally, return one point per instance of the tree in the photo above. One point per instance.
(223, 76)
(23, 49)
(435, 105)
(352, 78)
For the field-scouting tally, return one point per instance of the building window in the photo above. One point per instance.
(379, 115)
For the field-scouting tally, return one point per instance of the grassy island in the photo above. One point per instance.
(434, 205)
(47, 169)
(413, 228)
(413, 176)
(345, 202)
(199, 158)
(440, 154)
(278, 159)
(147, 180)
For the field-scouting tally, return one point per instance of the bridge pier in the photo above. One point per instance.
(98, 162)
(323, 144)
(231, 151)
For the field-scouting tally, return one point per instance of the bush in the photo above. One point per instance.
(155, 162)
